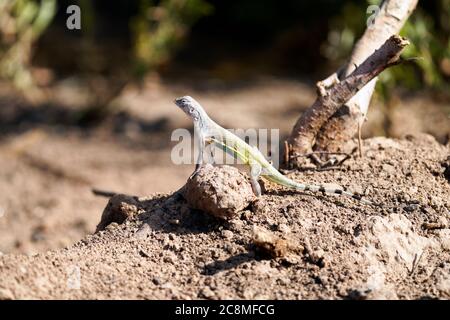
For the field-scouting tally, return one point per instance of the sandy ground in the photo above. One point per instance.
(47, 171)
(344, 249)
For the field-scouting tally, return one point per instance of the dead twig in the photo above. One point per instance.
(346, 121)
(103, 193)
(330, 100)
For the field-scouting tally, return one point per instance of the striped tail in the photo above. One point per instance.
(323, 189)
(316, 188)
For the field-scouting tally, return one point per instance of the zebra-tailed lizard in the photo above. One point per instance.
(208, 131)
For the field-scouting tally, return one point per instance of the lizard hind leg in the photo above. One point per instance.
(255, 172)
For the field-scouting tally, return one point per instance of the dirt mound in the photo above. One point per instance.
(344, 249)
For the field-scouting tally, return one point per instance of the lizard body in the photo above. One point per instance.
(209, 131)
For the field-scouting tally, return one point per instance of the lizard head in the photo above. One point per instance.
(189, 106)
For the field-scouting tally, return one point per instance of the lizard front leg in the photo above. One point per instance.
(255, 172)
(201, 149)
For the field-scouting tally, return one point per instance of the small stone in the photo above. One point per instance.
(357, 189)
(120, 207)
(388, 168)
(236, 225)
(230, 248)
(167, 285)
(38, 233)
(112, 226)
(318, 258)
(215, 254)
(269, 244)
(144, 254)
(411, 208)
(283, 228)
(443, 221)
(223, 191)
(260, 296)
(169, 259)
(249, 294)
(207, 293)
(247, 215)
(227, 234)
(291, 259)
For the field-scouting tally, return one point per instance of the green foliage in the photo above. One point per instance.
(21, 24)
(345, 28)
(159, 29)
(429, 52)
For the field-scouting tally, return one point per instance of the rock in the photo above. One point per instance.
(283, 228)
(227, 234)
(174, 222)
(207, 293)
(411, 208)
(318, 258)
(388, 168)
(219, 191)
(119, 208)
(269, 243)
(441, 223)
(397, 240)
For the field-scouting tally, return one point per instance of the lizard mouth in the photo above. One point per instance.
(177, 101)
(182, 101)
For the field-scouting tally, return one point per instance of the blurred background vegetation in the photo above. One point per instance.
(92, 108)
(125, 41)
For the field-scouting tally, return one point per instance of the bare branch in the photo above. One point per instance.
(330, 99)
(343, 125)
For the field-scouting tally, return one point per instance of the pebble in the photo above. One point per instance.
(357, 189)
(388, 168)
(411, 207)
(207, 293)
(112, 226)
(169, 259)
(283, 228)
(230, 249)
(227, 234)
(236, 224)
(215, 254)
(246, 215)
